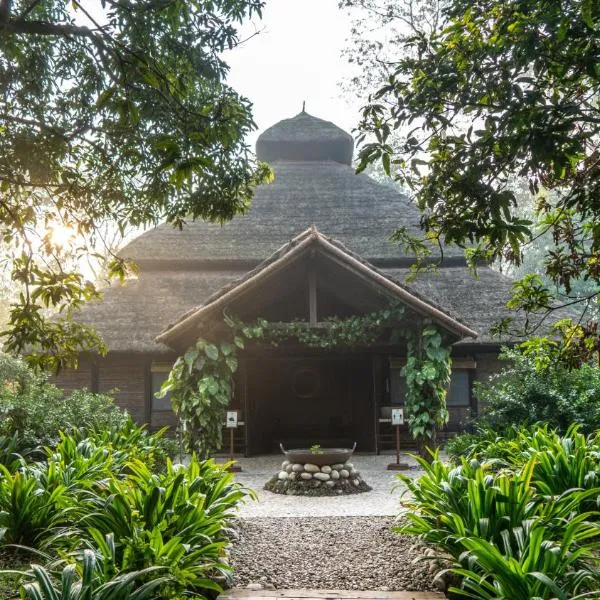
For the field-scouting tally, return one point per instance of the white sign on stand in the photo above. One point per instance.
(232, 419)
(397, 416)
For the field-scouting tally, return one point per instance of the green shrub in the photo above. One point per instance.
(37, 411)
(91, 579)
(29, 512)
(132, 441)
(529, 391)
(562, 462)
(177, 519)
(111, 490)
(528, 565)
(485, 444)
(10, 448)
(502, 508)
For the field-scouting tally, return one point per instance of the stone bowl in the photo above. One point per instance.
(326, 456)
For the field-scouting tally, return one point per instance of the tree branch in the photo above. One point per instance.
(42, 27)
(4, 10)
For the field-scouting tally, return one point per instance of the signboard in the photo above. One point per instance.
(397, 416)
(232, 418)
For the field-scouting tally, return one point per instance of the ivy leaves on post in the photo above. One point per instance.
(428, 370)
(201, 385)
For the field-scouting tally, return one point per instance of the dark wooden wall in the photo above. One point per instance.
(125, 377)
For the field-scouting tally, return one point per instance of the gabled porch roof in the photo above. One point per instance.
(310, 243)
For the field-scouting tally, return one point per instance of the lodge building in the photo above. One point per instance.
(314, 244)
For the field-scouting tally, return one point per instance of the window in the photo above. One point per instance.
(397, 382)
(159, 374)
(459, 392)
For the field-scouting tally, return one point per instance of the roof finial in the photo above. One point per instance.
(304, 107)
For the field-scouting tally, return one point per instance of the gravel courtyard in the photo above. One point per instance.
(342, 542)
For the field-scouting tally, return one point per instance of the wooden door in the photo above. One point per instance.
(305, 401)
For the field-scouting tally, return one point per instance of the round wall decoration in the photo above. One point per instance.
(306, 382)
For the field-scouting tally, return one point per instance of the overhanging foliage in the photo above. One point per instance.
(112, 118)
(498, 90)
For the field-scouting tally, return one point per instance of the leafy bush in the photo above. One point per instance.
(128, 438)
(538, 568)
(37, 411)
(100, 493)
(10, 448)
(532, 390)
(519, 518)
(29, 511)
(485, 444)
(177, 519)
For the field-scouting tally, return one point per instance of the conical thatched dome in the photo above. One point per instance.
(315, 184)
(305, 138)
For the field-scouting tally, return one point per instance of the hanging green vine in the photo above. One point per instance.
(201, 381)
(427, 371)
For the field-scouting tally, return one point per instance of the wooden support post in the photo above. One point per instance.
(243, 397)
(232, 423)
(377, 375)
(234, 467)
(312, 297)
(397, 420)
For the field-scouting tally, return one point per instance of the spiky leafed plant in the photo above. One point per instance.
(528, 564)
(177, 519)
(11, 453)
(87, 580)
(447, 504)
(30, 512)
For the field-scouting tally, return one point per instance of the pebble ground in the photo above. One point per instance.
(349, 553)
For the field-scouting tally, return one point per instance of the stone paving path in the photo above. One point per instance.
(237, 594)
(381, 501)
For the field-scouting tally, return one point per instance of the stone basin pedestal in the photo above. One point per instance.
(317, 476)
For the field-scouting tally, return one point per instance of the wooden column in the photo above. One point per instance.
(312, 297)
(377, 370)
(148, 393)
(94, 376)
(243, 400)
(472, 399)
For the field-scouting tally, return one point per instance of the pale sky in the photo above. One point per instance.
(295, 57)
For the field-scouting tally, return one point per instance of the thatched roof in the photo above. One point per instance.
(184, 270)
(312, 242)
(354, 209)
(130, 316)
